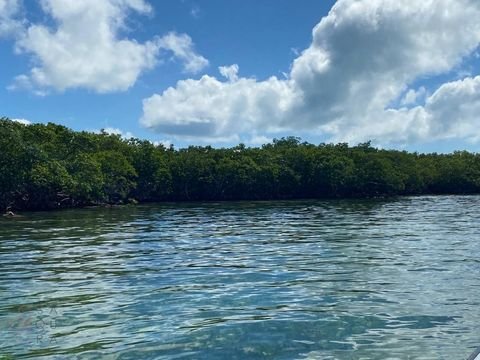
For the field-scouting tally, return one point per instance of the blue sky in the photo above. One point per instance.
(402, 73)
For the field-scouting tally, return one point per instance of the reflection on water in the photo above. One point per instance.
(285, 280)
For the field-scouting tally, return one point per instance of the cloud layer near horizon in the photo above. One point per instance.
(364, 56)
(85, 49)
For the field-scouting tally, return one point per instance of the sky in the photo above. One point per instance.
(404, 74)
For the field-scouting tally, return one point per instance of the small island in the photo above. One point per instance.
(48, 166)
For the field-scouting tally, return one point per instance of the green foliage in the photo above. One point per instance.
(154, 179)
(50, 166)
(46, 183)
(15, 161)
(87, 179)
(118, 175)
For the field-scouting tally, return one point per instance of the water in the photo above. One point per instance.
(396, 279)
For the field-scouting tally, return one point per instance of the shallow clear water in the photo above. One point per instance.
(396, 279)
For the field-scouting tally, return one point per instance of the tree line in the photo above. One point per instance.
(47, 166)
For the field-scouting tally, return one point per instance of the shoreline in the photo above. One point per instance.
(17, 213)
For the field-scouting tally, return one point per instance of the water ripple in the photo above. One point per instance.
(339, 279)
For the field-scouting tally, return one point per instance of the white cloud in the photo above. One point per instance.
(256, 140)
(210, 108)
(229, 72)
(23, 121)
(182, 47)
(364, 55)
(10, 21)
(455, 107)
(116, 131)
(295, 51)
(164, 143)
(450, 112)
(413, 96)
(86, 49)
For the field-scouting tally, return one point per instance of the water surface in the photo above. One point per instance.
(397, 279)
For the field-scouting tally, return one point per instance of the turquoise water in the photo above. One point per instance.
(396, 279)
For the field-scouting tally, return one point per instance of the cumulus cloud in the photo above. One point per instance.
(85, 47)
(181, 46)
(10, 21)
(229, 72)
(214, 109)
(450, 112)
(454, 108)
(364, 55)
